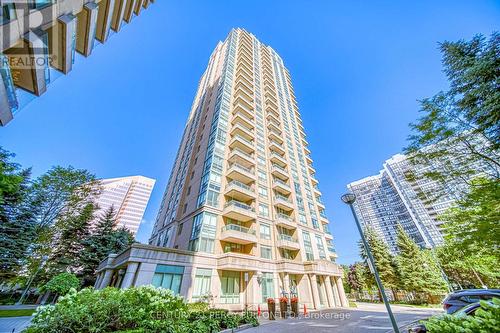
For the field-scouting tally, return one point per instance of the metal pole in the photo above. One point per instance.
(375, 272)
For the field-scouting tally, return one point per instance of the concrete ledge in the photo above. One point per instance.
(237, 329)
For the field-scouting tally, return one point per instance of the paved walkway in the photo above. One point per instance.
(367, 318)
(14, 324)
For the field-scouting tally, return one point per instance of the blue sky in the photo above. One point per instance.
(358, 69)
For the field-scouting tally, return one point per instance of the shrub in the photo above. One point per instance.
(249, 318)
(197, 306)
(135, 310)
(61, 284)
(485, 319)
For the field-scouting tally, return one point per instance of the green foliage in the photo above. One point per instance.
(198, 307)
(61, 284)
(418, 269)
(17, 222)
(103, 240)
(143, 309)
(249, 318)
(384, 261)
(474, 222)
(463, 123)
(486, 319)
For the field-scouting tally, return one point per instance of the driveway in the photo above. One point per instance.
(14, 324)
(365, 318)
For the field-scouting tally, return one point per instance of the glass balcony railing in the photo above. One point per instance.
(280, 182)
(242, 152)
(239, 204)
(331, 249)
(284, 217)
(287, 238)
(239, 184)
(239, 228)
(282, 197)
(239, 137)
(241, 167)
(276, 166)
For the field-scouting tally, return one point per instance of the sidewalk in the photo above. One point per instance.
(19, 307)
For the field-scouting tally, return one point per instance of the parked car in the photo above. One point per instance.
(458, 299)
(468, 310)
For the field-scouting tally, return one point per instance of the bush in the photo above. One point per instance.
(485, 319)
(61, 284)
(197, 306)
(135, 310)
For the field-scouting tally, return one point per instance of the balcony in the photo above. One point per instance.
(245, 80)
(316, 190)
(235, 233)
(238, 210)
(242, 106)
(281, 186)
(287, 242)
(285, 221)
(328, 235)
(272, 116)
(241, 143)
(240, 191)
(243, 86)
(240, 173)
(314, 180)
(277, 147)
(283, 202)
(272, 125)
(276, 136)
(308, 157)
(278, 159)
(246, 132)
(320, 203)
(239, 156)
(279, 172)
(243, 119)
(241, 92)
(311, 169)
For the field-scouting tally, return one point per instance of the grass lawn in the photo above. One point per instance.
(16, 313)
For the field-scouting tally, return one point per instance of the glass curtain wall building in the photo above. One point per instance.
(242, 213)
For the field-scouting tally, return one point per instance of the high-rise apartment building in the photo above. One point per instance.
(129, 197)
(242, 218)
(400, 195)
(39, 38)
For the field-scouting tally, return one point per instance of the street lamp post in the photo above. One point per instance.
(349, 199)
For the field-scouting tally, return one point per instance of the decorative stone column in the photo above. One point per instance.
(98, 280)
(315, 293)
(329, 291)
(128, 278)
(286, 283)
(335, 291)
(343, 298)
(106, 279)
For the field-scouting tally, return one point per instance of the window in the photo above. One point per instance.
(230, 287)
(168, 277)
(263, 210)
(265, 231)
(262, 192)
(184, 208)
(265, 252)
(179, 230)
(267, 286)
(262, 175)
(188, 190)
(320, 246)
(7, 13)
(202, 283)
(233, 247)
(307, 245)
(203, 233)
(167, 237)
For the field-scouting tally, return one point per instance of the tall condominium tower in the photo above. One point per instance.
(39, 40)
(394, 198)
(242, 218)
(129, 197)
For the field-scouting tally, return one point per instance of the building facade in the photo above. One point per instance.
(399, 195)
(129, 197)
(241, 219)
(39, 38)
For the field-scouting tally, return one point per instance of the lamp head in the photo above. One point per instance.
(349, 198)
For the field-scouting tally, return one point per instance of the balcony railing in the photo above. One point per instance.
(239, 204)
(241, 167)
(239, 228)
(239, 137)
(284, 217)
(279, 168)
(287, 238)
(239, 184)
(282, 197)
(279, 181)
(242, 152)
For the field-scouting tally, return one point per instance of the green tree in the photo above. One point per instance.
(419, 271)
(16, 219)
(474, 222)
(355, 277)
(463, 123)
(72, 228)
(384, 262)
(104, 239)
(61, 284)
